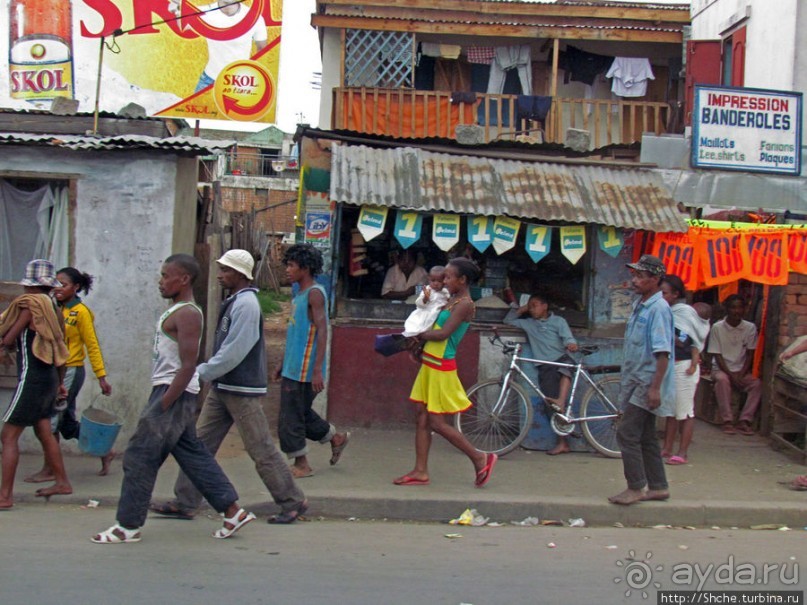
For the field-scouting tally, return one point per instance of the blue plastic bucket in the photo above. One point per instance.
(99, 429)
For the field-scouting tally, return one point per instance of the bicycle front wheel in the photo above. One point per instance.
(495, 429)
(601, 433)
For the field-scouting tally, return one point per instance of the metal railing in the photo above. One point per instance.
(258, 164)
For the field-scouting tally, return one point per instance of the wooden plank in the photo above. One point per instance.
(343, 54)
(401, 97)
(609, 123)
(499, 31)
(375, 111)
(596, 111)
(553, 90)
(675, 14)
(438, 124)
(362, 124)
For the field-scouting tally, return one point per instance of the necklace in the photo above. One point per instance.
(451, 304)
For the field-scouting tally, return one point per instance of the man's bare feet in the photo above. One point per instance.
(63, 489)
(556, 404)
(6, 504)
(42, 476)
(561, 448)
(106, 461)
(656, 494)
(301, 472)
(627, 497)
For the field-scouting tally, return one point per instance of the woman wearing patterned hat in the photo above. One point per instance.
(32, 323)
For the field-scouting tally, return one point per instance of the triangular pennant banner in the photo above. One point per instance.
(573, 242)
(611, 240)
(505, 232)
(446, 230)
(371, 221)
(480, 232)
(538, 241)
(408, 225)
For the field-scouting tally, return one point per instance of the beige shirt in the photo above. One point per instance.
(396, 281)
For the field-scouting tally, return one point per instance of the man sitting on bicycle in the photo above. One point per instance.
(551, 339)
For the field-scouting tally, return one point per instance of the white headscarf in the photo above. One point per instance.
(688, 321)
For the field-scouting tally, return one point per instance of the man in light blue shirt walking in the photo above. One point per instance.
(648, 385)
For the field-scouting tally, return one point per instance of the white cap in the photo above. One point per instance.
(240, 260)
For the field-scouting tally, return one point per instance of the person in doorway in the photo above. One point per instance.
(551, 339)
(648, 385)
(732, 344)
(690, 334)
(32, 323)
(402, 278)
(167, 424)
(302, 372)
(81, 340)
(238, 377)
(437, 391)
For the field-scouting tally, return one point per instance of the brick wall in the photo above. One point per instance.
(280, 218)
(793, 312)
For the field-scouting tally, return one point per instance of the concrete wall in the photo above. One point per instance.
(331, 74)
(132, 210)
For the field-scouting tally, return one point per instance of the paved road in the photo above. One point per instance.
(48, 558)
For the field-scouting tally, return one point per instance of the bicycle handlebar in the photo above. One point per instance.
(509, 346)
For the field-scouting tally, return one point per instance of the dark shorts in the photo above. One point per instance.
(549, 376)
(38, 383)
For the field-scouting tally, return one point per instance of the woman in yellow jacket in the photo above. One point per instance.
(81, 340)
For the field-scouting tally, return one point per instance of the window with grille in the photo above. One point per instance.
(379, 59)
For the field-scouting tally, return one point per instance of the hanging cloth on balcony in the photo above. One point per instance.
(507, 58)
(630, 76)
(442, 51)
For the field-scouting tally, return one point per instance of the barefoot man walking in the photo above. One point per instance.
(648, 385)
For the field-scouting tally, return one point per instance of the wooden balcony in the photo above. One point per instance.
(408, 113)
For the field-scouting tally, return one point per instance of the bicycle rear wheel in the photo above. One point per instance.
(495, 432)
(601, 434)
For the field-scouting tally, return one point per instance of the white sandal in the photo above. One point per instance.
(117, 534)
(236, 522)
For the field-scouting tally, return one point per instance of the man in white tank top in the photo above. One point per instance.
(167, 424)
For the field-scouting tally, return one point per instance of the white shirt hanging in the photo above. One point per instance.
(630, 76)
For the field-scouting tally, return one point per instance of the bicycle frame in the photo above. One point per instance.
(579, 369)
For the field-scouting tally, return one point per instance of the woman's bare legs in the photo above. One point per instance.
(440, 425)
(9, 436)
(687, 430)
(53, 458)
(423, 443)
(670, 431)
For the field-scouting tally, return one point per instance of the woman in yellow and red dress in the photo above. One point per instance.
(437, 391)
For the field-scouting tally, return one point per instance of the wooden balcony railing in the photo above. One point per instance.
(407, 113)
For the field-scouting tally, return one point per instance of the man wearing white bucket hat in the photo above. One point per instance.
(237, 372)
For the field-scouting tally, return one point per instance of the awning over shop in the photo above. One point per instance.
(416, 179)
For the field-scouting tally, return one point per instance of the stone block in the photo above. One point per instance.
(578, 140)
(469, 134)
(62, 106)
(132, 110)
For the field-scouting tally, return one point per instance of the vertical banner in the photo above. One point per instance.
(318, 219)
(408, 225)
(573, 242)
(505, 231)
(722, 258)
(480, 232)
(767, 260)
(538, 241)
(371, 221)
(797, 250)
(677, 252)
(445, 230)
(611, 240)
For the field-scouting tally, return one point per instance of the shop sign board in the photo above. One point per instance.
(480, 232)
(611, 240)
(505, 231)
(372, 220)
(747, 129)
(445, 231)
(176, 58)
(573, 242)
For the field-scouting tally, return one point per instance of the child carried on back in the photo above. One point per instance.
(428, 304)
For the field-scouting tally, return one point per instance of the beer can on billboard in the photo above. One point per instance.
(40, 49)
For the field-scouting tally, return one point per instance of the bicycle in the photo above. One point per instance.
(501, 414)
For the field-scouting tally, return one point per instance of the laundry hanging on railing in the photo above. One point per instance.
(630, 76)
(507, 58)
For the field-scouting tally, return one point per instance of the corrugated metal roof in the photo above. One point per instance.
(193, 145)
(412, 178)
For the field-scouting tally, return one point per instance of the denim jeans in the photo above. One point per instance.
(66, 422)
(220, 411)
(298, 421)
(641, 454)
(158, 434)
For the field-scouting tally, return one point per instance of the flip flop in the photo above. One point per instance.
(298, 474)
(236, 522)
(336, 450)
(171, 509)
(483, 476)
(289, 516)
(407, 480)
(117, 534)
(673, 460)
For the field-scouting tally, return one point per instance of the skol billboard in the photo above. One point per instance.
(178, 58)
